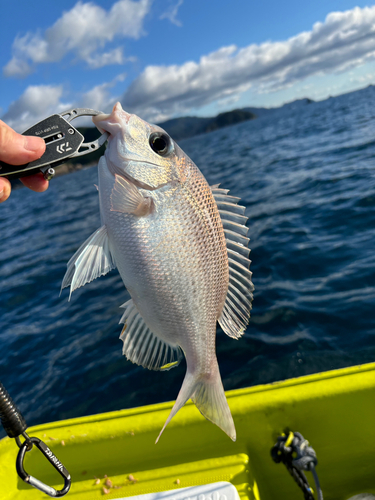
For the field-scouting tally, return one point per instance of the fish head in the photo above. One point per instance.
(140, 151)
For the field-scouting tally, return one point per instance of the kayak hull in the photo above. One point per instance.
(334, 410)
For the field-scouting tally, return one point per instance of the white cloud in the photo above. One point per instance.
(100, 97)
(40, 101)
(83, 30)
(35, 104)
(171, 13)
(18, 68)
(343, 41)
(114, 56)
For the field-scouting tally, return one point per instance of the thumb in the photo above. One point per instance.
(17, 149)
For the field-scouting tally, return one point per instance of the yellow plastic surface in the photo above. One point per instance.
(334, 410)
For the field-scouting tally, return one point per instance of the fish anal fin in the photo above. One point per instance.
(142, 346)
(236, 311)
(127, 199)
(91, 260)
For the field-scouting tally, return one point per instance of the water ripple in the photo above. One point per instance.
(308, 182)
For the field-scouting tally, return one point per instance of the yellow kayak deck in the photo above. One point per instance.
(334, 410)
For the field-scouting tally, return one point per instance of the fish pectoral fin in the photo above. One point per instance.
(126, 198)
(208, 394)
(142, 346)
(91, 260)
(236, 311)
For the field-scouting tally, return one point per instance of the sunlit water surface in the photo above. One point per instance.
(307, 179)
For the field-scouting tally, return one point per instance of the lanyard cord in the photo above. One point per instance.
(15, 426)
(294, 451)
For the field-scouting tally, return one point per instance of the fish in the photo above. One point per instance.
(181, 249)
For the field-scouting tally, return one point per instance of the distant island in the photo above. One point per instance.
(188, 126)
(179, 128)
(185, 127)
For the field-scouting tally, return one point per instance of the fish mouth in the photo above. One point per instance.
(112, 121)
(115, 170)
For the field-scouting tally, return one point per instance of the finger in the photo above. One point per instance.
(18, 149)
(35, 182)
(5, 189)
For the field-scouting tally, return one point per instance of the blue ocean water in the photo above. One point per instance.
(307, 178)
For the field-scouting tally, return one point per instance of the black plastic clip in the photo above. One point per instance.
(63, 142)
(15, 426)
(26, 446)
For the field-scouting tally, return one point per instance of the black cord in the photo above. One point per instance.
(10, 416)
(15, 426)
(294, 451)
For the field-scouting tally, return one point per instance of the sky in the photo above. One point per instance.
(168, 58)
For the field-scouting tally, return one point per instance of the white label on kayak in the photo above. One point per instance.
(213, 491)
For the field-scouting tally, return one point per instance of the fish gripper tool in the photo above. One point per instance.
(15, 426)
(63, 141)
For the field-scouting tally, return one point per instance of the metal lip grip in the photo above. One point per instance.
(63, 141)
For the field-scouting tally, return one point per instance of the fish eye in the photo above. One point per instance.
(160, 143)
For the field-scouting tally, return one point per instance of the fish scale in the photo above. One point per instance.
(164, 231)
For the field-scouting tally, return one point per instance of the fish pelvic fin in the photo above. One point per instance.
(91, 260)
(207, 392)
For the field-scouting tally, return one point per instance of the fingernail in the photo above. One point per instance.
(33, 143)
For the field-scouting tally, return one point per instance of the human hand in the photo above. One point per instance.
(17, 149)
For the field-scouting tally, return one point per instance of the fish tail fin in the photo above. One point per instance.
(186, 392)
(207, 392)
(209, 397)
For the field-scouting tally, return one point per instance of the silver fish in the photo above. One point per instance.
(180, 247)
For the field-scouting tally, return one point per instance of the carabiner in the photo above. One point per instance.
(49, 490)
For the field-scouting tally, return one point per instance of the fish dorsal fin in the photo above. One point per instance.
(143, 347)
(236, 311)
(91, 260)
